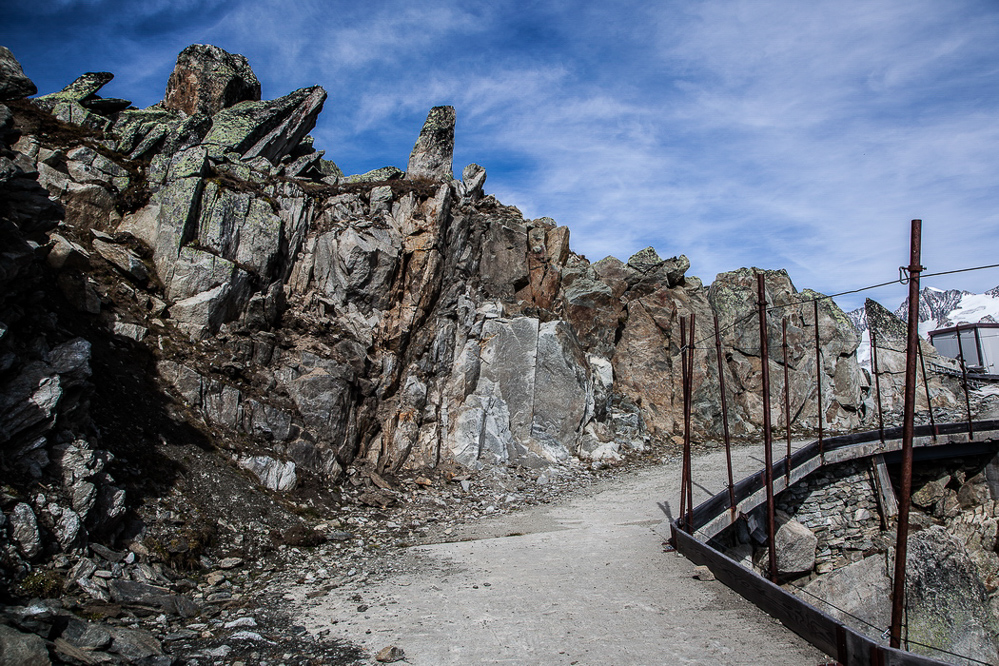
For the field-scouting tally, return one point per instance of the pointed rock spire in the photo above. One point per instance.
(431, 156)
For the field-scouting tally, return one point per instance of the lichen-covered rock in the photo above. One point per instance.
(13, 83)
(377, 175)
(432, 155)
(83, 87)
(268, 129)
(207, 79)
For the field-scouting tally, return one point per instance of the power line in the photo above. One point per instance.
(774, 308)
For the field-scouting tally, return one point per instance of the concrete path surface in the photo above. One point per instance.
(585, 581)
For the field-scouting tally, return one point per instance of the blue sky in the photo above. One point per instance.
(797, 135)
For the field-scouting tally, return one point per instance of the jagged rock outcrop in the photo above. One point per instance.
(13, 83)
(207, 79)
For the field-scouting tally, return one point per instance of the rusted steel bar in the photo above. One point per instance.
(818, 371)
(767, 438)
(926, 385)
(787, 404)
(877, 379)
(686, 419)
(908, 426)
(724, 415)
(964, 380)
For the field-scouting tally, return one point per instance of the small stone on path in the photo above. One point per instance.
(703, 573)
(390, 654)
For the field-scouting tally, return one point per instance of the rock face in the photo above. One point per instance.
(207, 79)
(308, 323)
(454, 329)
(948, 605)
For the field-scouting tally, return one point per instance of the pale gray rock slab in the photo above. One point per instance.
(861, 590)
(272, 474)
(123, 259)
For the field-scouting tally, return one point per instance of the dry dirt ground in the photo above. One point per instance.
(582, 581)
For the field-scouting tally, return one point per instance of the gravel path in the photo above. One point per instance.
(582, 581)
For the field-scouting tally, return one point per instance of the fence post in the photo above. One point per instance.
(964, 380)
(877, 379)
(767, 438)
(908, 417)
(724, 408)
(818, 375)
(686, 418)
(787, 405)
(926, 385)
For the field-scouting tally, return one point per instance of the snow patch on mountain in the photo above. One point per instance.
(938, 308)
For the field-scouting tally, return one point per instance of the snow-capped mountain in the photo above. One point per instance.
(938, 308)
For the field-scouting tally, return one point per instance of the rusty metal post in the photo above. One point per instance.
(724, 415)
(767, 439)
(964, 380)
(787, 405)
(683, 379)
(877, 379)
(926, 385)
(688, 419)
(818, 375)
(908, 427)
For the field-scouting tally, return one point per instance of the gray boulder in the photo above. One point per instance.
(207, 79)
(473, 177)
(434, 149)
(13, 83)
(795, 545)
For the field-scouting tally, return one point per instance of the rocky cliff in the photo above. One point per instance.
(195, 279)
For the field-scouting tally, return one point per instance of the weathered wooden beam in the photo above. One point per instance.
(887, 502)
